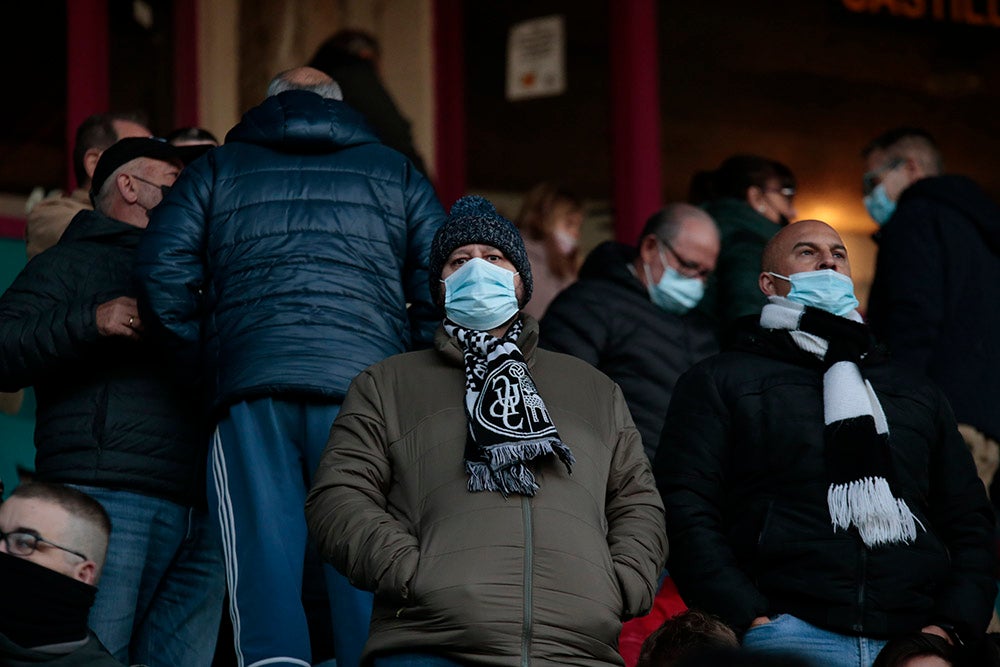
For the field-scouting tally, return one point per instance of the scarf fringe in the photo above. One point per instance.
(515, 478)
(504, 469)
(504, 454)
(868, 504)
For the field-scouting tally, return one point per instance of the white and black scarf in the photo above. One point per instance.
(856, 432)
(508, 423)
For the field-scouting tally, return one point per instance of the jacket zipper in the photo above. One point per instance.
(528, 552)
(859, 626)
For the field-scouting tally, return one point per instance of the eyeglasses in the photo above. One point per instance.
(21, 543)
(688, 269)
(871, 179)
(786, 192)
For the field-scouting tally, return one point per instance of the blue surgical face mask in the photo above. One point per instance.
(826, 289)
(674, 293)
(480, 296)
(879, 206)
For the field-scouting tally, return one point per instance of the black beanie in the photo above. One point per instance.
(474, 219)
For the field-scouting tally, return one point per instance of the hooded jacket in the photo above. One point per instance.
(744, 480)
(743, 232)
(479, 578)
(607, 319)
(293, 256)
(935, 295)
(111, 411)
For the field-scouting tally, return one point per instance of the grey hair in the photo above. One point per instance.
(103, 197)
(666, 223)
(328, 89)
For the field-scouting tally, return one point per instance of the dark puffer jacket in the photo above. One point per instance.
(91, 654)
(110, 412)
(742, 473)
(284, 259)
(607, 319)
(935, 299)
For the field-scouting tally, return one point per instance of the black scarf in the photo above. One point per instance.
(508, 422)
(856, 433)
(41, 606)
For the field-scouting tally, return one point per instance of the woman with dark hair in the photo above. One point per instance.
(750, 197)
(550, 220)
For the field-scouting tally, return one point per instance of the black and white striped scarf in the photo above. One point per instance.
(508, 422)
(856, 432)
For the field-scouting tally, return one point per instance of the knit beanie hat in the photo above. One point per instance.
(474, 219)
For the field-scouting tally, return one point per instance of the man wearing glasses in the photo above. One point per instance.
(937, 280)
(53, 540)
(632, 312)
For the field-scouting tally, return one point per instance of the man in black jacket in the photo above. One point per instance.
(113, 421)
(937, 280)
(632, 312)
(817, 497)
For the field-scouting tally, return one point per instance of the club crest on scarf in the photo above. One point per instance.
(509, 404)
(509, 425)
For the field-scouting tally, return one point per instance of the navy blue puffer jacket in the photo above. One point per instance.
(283, 262)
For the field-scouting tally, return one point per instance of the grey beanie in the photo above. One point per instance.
(474, 219)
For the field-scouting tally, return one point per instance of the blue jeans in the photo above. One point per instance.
(263, 457)
(159, 598)
(414, 660)
(788, 635)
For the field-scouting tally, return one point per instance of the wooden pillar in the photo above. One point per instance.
(88, 71)
(186, 80)
(635, 118)
(449, 101)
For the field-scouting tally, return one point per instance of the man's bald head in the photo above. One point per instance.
(808, 245)
(305, 78)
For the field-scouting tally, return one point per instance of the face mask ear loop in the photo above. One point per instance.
(778, 275)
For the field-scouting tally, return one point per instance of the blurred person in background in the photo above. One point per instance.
(936, 291)
(353, 58)
(192, 142)
(550, 220)
(750, 197)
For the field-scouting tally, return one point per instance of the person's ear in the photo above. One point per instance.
(90, 159)
(766, 283)
(126, 188)
(649, 249)
(755, 197)
(519, 290)
(914, 172)
(86, 572)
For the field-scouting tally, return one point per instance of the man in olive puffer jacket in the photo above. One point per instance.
(494, 496)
